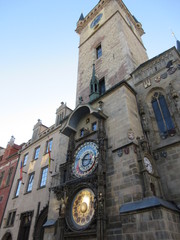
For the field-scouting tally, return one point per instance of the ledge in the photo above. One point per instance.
(149, 202)
(49, 223)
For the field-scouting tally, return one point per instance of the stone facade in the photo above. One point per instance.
(135, 184)
(29, 199)
(115, 174)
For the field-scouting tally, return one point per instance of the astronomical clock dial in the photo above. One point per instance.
(86, 159)
(148, 165)
(82, 208)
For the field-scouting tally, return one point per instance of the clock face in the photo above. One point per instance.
(148, 165)
(86, 159)
(82, 208)
(96, 20)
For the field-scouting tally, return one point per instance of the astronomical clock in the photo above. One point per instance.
(82, 188)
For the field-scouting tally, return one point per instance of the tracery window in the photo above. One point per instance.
(162, 115)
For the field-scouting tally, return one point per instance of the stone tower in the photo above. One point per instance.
(111, 185)
(110, 38)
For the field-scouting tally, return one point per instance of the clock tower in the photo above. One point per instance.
(109, 185)
(110, 38)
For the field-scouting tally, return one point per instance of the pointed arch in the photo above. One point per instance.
(7, 236)
(39, 229)
(156, 99)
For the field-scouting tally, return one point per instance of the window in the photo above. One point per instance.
(44, 174)
(11, 218)
(94, 126)
(162, 115)
(25, 159)
(18, 188)
(9, 176)
(30, 182)
(1, 198)
(1, 177)
(82, 132)
(102, 88)
(98, 52)
(36, 153)
(49, 146)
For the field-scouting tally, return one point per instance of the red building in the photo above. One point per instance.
(8, 164)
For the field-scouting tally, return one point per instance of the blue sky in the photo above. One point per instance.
(39, 55)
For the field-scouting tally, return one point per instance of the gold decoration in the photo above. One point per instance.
(83, 207)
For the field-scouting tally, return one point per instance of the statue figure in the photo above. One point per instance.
(62, 208)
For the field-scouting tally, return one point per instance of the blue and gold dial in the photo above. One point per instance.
(86, 159)
(96, 20)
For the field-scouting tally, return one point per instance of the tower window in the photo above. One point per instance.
(163, 116)
(102, 86)
(99, 51)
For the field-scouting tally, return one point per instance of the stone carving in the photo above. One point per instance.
(62, 208)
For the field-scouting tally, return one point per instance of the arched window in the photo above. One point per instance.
(163, 116)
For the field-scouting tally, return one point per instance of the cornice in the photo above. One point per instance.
(83, 23)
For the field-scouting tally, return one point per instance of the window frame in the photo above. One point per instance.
(25, 158)
(102, 85)
(43, 176)
(11, 218)
(35, 152)
(18, 187)
(98, 51)
(49, 143)
(92, 126)
(162, 115)
(82, 132)
(10, 172)
(30, 184)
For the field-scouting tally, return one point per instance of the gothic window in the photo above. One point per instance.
(25, 159)
(162, 115)
(9, 176)
(30, 182)
(18, 188)
(44, 174)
